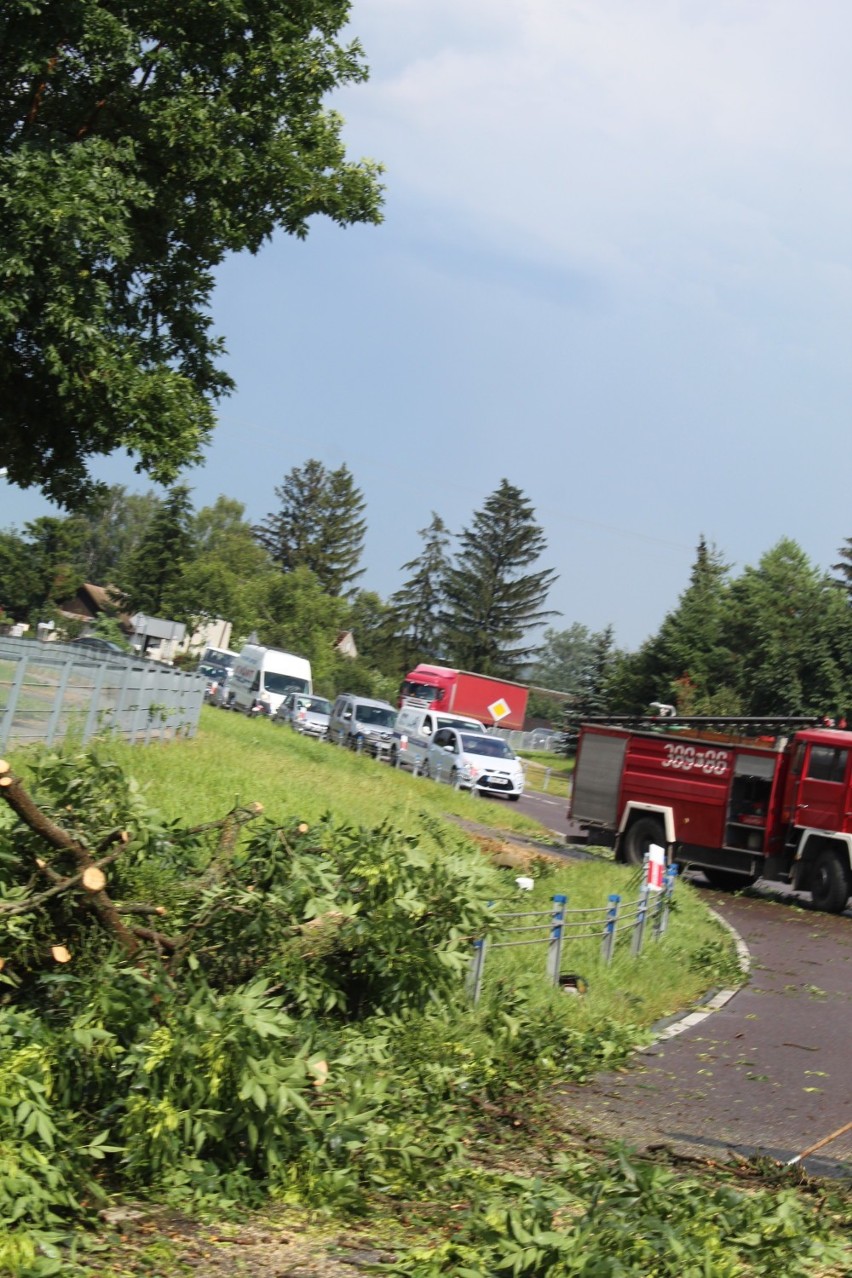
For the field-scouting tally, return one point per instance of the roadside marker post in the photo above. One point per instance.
(610, 926)
(554, 950)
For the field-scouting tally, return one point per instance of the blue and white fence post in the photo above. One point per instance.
(665, 900)
(610, 927)
(554, 949)
(639, 924)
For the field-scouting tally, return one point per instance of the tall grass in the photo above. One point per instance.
(235, 759)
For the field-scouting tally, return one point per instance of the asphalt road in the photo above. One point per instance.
(550, 812)
(768, 1073)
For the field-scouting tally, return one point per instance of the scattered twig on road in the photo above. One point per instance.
(826, 1140)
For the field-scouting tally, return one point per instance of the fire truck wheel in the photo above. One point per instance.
(639, 837)
(829, 883)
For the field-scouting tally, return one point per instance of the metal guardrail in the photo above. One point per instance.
(48, 690)
(559, 924)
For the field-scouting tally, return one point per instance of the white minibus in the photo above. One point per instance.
(262, 677)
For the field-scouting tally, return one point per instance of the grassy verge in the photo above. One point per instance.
(233, 758)
(548, 773)
(315, 1050)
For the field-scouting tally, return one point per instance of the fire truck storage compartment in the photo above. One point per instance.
(748, 807)
(597, 778)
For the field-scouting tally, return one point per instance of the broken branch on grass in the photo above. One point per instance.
(60, 884)
(12, 790)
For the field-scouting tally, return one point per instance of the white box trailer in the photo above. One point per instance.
(262, 677)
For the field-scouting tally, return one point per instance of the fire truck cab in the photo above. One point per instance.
(772, 806)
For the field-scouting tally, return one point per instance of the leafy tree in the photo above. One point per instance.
(229, 575)
(593, 690)
(578, 662)
(319, 525)
(139, 145)
(491, 600)
(156, 567)
(37, 568)
(303, 618)
(563, 658)
(373, 624)
(791, 628)
(843, 570)
(110, 529)
(417, 604)
(689, 661)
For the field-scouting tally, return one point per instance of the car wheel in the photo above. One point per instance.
(513, 798)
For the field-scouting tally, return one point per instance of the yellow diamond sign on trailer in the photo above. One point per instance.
(499, 709)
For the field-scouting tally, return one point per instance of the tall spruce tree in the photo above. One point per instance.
(843, 570)
(688, 662)
(491, 600)
(319, 525)
(155, 568)
(417, 603)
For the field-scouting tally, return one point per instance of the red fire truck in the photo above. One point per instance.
(776, 805)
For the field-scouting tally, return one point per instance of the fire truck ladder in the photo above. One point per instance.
(729, 724)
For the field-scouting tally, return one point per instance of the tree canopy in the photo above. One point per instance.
(491, 600)
(140, 144)
(417, 603)
(319, 525)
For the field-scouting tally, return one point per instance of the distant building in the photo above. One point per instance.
(213, 633)
(155, 637)
(345, 644)
(90, 601)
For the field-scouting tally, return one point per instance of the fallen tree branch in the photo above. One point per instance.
(12, 790)
(60, 884)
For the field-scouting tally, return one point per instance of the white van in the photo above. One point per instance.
(415, 728)
(262, 677)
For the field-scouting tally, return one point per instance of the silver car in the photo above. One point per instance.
(479, 762)
(305, 714)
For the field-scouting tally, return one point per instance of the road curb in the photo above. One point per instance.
(682, 1021)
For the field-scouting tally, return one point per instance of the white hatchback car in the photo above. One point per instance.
(479, 762)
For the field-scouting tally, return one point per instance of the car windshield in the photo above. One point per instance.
(317, 705)
(490, 747)
(216, 657)
(425, 691)
(281, 683)
(213, 672)
(381, 716)
(470, 724)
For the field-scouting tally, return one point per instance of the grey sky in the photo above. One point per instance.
(615, 269)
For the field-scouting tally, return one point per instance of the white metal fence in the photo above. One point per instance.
(50, 689)
(537, 739)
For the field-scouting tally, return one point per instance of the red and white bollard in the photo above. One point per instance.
(656, 867)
